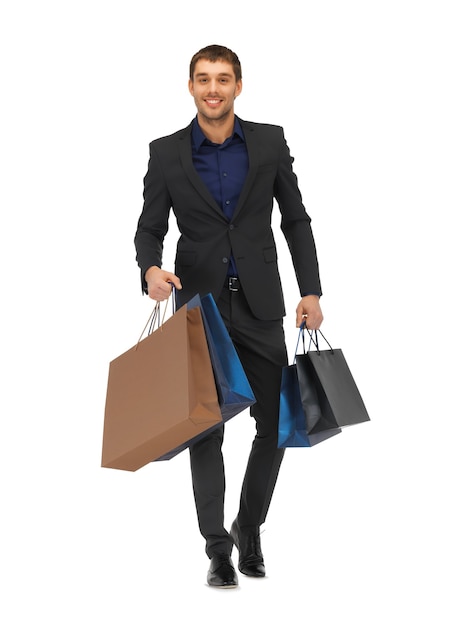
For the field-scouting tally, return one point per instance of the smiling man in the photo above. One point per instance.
(214, 87)
(220, 176)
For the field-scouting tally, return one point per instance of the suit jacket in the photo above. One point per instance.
(208, 238)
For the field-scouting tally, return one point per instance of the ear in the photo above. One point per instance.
(190, 86)
(238, 88)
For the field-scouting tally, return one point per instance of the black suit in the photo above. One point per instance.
(207, 237)
(254, 314)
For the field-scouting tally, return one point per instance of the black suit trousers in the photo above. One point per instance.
(262, 350)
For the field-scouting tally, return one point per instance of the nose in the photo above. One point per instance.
(213, 86)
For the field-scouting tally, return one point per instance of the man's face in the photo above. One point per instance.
(214, 89)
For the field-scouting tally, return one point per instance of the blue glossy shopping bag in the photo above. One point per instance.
(293, 431)
(234, 391)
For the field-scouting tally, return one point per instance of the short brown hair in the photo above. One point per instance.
(217, 53)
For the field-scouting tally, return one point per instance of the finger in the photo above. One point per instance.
(165, 290)
(160, 291)
(176, 282)
(301, 317)
(314, 322)
(173, 279)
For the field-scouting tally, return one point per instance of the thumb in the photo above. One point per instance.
(172, 278)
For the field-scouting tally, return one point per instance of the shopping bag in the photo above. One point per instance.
(293, 429)
(329, 394)
(160, 393)
(233, 389)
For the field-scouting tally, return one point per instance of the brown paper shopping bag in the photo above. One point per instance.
(160, 393)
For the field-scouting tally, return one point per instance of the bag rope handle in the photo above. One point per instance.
(313, 339)
(316, 341)
(154, 322)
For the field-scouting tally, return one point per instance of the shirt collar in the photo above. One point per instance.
(198, 136)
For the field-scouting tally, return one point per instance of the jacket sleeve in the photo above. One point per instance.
(153, 221)
(296, 225)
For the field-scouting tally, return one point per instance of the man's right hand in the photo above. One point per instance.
(158, 282)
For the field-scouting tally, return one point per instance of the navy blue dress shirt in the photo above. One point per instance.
(223, 169)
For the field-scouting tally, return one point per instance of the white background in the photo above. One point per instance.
(359, 528)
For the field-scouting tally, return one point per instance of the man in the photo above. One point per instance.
(220, 176)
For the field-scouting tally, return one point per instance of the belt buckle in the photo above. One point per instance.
(233, 283)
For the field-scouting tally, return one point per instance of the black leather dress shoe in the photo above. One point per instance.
(221, 572)
(247, 540)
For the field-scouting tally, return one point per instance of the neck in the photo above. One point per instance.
(216, 131)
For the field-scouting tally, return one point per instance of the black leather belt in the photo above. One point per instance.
(232, 283)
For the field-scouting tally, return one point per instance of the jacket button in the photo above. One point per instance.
(231, 226)
(225, 260)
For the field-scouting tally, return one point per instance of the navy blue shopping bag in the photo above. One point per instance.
(233, 388)
(293, 430)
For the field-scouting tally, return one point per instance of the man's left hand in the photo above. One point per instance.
(309, 311)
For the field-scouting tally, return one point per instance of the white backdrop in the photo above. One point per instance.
(359, 529)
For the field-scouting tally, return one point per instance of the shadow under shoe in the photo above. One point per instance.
(221, 572)
(248, 542)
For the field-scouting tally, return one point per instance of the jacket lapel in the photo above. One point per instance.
(185, 152)
(252, 146)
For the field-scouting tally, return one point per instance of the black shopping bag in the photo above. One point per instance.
(329, 394)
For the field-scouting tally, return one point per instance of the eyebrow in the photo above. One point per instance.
(199, 74)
